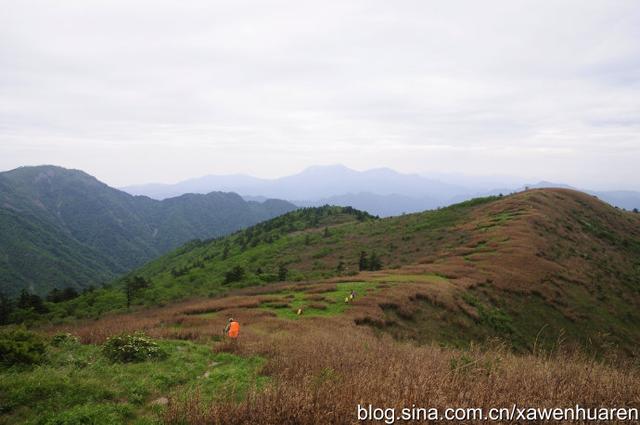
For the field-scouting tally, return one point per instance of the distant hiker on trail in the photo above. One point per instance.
(346, 299)
(352, 295)
(232, 330)
(299, 312)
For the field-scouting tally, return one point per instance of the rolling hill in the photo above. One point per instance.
(530, 298)
(64, 228)
(529, 268)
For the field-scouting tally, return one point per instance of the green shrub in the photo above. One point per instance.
(64, 339)
(269, 277)
(20, 346)
(497, 319)
(234, 275)
(132, 348)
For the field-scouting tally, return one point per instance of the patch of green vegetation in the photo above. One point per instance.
(431, 323)
(496, 319)
(79, 385)
(575, 317)
(333, 302)
(322, 252)
(294, 242)
(490, 316)
(132, 348)
(499, 219)
(20, 347)
(478, 256)
(230, 378)
(407, 278)
(207, 315)
(65, 229)
(445, 217)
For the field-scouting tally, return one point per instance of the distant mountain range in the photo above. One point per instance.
(381, 191)
(381, 205)
(314, 183)
(64, 228)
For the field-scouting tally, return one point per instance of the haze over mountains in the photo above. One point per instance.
(64, 228)
(380, 191)
(313, 183)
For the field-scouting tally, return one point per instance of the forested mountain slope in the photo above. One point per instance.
(61, 228)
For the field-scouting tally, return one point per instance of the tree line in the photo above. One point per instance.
(15, 310)
(28, 301)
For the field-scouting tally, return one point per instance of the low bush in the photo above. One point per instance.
(132, 348)
(20, 346)
(64, 339)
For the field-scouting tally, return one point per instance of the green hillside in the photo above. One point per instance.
(543, 264)
(541, 287)
(310, 243)
(63, 228)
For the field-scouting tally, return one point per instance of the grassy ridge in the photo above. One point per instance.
(530, 299)
(311, 243)
(532, 272)
(536, 266)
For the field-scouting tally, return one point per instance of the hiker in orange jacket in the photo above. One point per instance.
(232, 330)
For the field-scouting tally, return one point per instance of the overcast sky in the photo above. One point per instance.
(139, 91)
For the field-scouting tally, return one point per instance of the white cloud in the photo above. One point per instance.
(133, 91)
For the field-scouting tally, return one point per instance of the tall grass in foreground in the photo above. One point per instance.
(321, 374)
(321, 368)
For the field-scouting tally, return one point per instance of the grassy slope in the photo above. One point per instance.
(296, 240)
(552, 260)
(78, 385)
(536, 268)
(524, 268)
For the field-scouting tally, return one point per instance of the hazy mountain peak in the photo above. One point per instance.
(547, 184)
(46, 171)
(345, 186)
(327, 169)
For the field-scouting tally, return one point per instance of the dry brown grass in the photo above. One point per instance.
(323, 369)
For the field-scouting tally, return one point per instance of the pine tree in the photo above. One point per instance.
(69, 293)
(6, 308)
(282, 272)
(133, 285)
(54, 296)
(234, 275)
(24, 300)
(28, 301)
(363, 263)
(374, 262)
